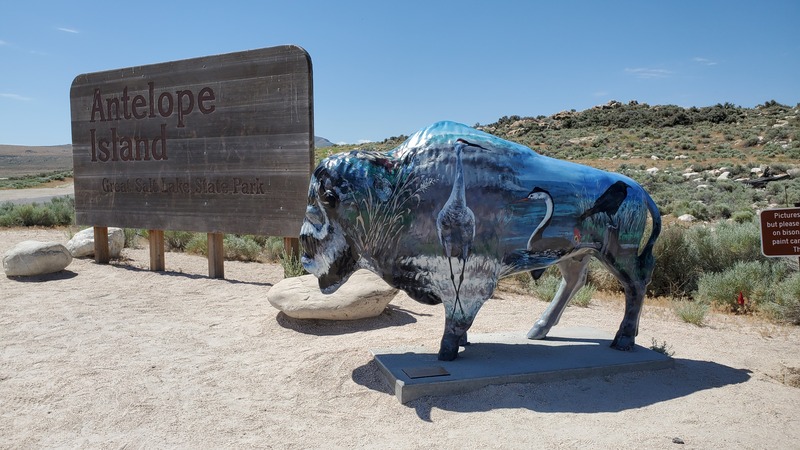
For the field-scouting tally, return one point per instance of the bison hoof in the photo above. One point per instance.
(623, 343)
(538, 332)
(448, 350)
(447, 355)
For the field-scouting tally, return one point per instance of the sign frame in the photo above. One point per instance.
(780, 232)
(221, 143)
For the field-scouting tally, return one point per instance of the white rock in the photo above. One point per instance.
(687, 218)
(652, 170)
(581, 140)
(724, 176)
(690, 175)
(363, 295)
(82, 244)
(35, 258)
(681, 157)
(702, 186)
(756, 170)
(655, 158)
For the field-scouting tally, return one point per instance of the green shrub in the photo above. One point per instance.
(789, 297)
(601, 278)
(757, 281)
(785, 306)
(545, 288)
(241, 248)
(177, 240)
(662, 348)
(35, 215)
(273, 248)
(743, 216)
(32, 181)
(677, 269)
(683, 255)
(197, 244)
(57, 212)
(726, 244)
(690, 311)
(132, 236)
(721, 210)
(583, 297)
(63, 209)
(292, 267)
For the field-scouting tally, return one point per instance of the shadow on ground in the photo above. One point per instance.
(587, 395)
(60, 275)
(392, 316)
(192, 276)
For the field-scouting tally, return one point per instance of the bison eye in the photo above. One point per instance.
(330, 199)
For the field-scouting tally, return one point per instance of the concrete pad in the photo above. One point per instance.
(500, 358)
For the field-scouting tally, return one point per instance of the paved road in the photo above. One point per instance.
(40, 195)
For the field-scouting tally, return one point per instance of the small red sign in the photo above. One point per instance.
(780, 232)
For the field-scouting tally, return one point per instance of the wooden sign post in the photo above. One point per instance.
(218, 144)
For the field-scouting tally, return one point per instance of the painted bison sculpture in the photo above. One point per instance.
(452, 210)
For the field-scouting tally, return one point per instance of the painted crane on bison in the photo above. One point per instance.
(452, 193)
(455, 224)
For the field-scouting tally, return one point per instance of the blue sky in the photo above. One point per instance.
(388, 68)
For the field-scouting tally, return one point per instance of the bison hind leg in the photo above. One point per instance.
(625, 338)
(573, 271)
(634, 279)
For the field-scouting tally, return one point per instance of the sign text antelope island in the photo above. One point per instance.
(111, 108)
(214, 144)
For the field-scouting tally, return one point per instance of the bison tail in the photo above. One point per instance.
(646, 258)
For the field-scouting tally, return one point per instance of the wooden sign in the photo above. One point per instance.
(780, 232)
(214, 144)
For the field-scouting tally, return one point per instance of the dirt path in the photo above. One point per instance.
(103, 356)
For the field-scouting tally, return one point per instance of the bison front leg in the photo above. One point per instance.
(455, 334)
(460, 311)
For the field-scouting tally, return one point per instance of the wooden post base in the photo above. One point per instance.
(156, 238)
(216, 255)
(291, 246)
(101, 253)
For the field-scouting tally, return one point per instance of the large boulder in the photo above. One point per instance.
(363, 295)
(82, 244)
(35, 258)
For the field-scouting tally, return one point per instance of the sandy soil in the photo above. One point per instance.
(118, 356)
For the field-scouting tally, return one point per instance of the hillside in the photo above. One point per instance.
(692, 160)
(695, 160)
(23, 160)
(20, 160)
